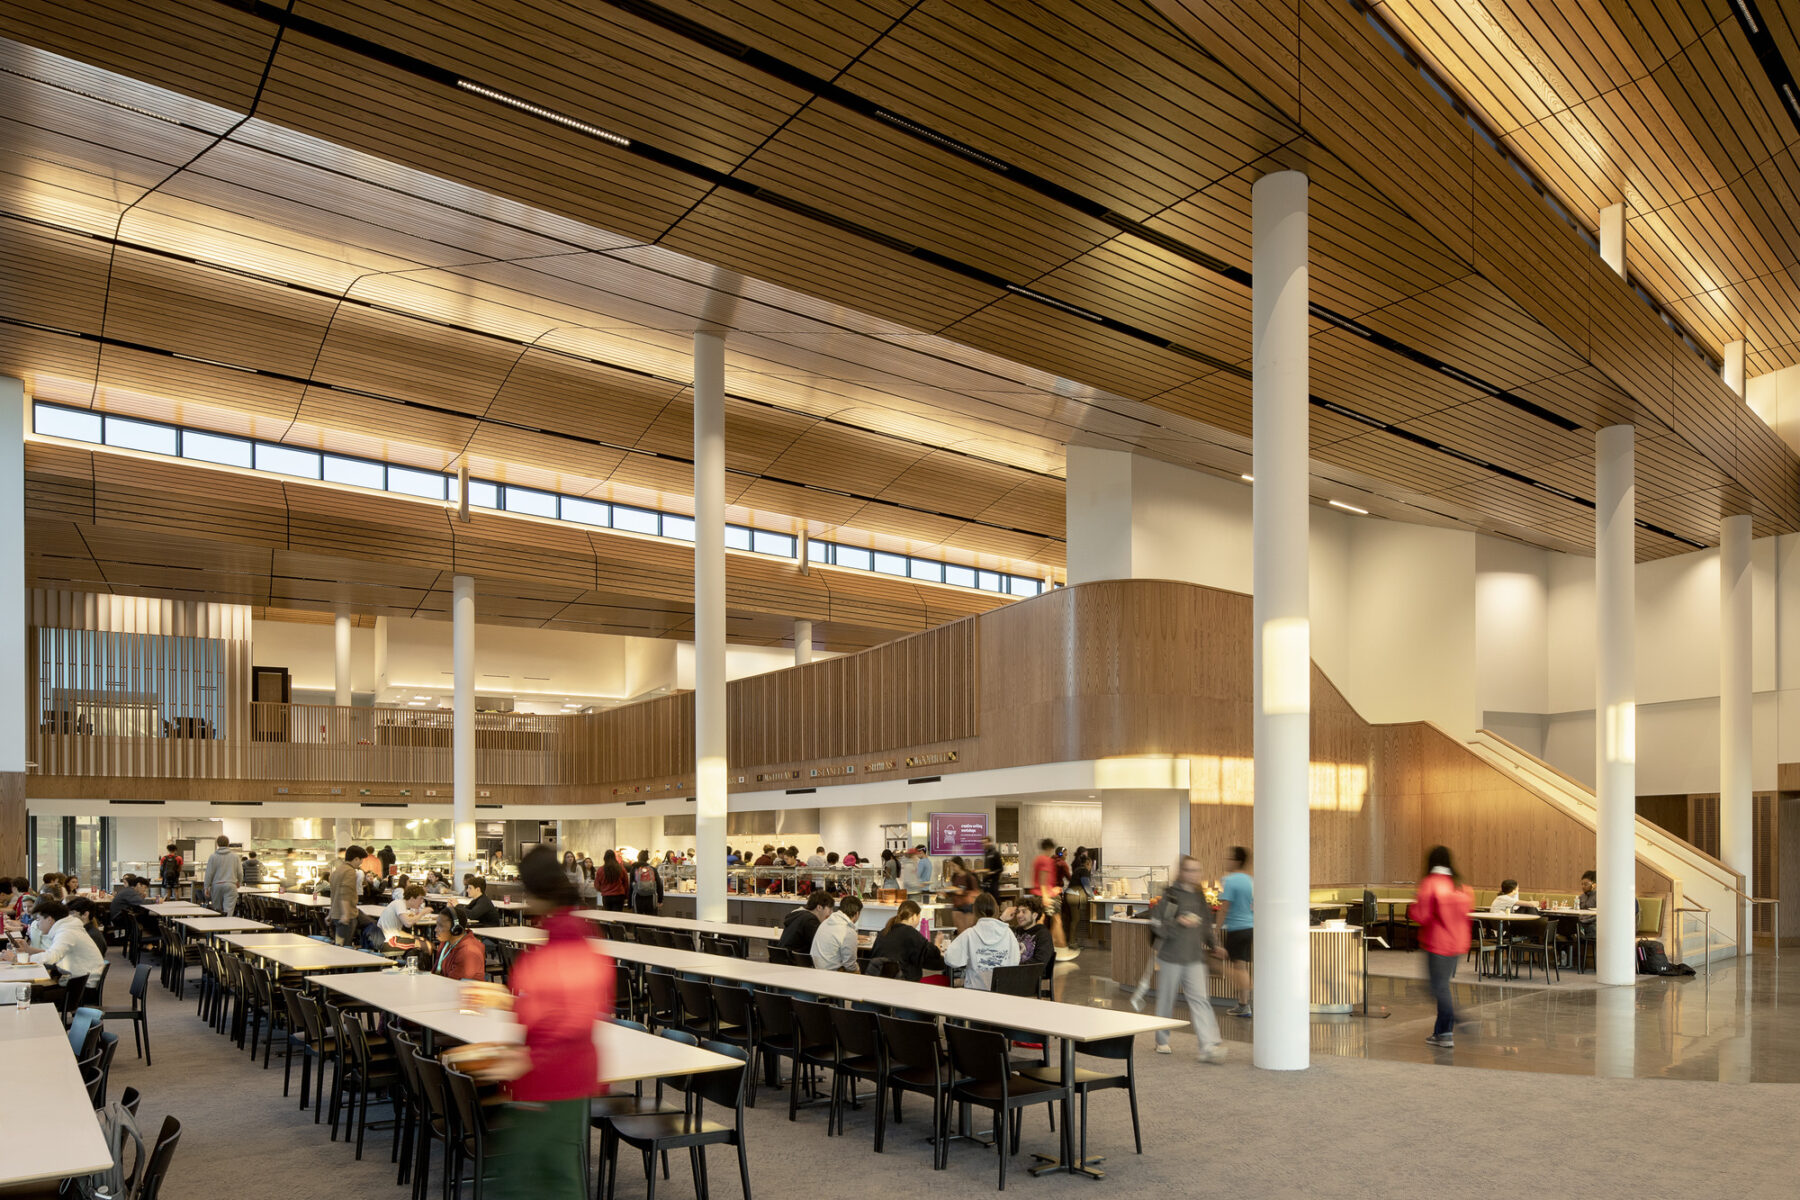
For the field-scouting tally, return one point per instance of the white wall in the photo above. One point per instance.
(307, 651)
(1775, 397)
(740, 661)
(1512, 627)
(857, 827)
(1143, 829)
(1412, 613)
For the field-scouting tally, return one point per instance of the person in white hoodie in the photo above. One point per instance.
(834, 946)
(67, 946)
(986, 944)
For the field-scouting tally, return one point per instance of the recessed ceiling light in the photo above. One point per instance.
(1361, 512)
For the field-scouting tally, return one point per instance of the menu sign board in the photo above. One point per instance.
(956, 833)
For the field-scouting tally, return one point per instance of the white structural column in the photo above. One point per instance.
(462, 722)
(14, 420)
(1737, 843)
(1612, 237)
(803, 641)
(709, 627)
(1733, 370)
(1615, 597)
(340, 629)
(1283, 650)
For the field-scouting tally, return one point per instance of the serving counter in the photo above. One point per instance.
(1336, 976)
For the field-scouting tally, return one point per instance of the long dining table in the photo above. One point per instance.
(51, 1132)
(748, 933)
(1071, 1024)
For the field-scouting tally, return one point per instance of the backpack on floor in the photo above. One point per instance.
(1651, 959)
(125, 1144)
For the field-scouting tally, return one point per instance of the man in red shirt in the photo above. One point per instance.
(563, 989)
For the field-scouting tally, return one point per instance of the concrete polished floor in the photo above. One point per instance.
(1741, 1024)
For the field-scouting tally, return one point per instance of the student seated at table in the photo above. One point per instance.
(480, 910)
(133, 892)
(1026, 917)
(901, 942)
(460, 953)
(67, 949)
(1508, 899)
(89, 914)
(397, 919)
(986, 944)
(801, 925)
(834, 945)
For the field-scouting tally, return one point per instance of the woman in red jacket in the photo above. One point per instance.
(460, 953)
(563, 989)
(1442, 911)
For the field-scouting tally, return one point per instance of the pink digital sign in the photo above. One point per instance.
(957, 833)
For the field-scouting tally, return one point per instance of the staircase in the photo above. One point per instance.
(1699, 879)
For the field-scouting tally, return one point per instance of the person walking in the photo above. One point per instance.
(169, 868)
(344, 896)
(224, 874)
(1237, 894)
(562, 990)
(1184, 926)
(1441, 911)
(646, 886)
(613, 883)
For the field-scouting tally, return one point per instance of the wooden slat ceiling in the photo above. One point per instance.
(396, 254)
(1662, 107)
(102, 521)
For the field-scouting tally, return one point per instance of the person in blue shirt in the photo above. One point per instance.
(1238, 917)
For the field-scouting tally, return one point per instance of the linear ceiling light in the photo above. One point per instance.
(1351, 508)
(556, 118)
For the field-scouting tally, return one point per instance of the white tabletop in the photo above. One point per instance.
(766, 933)
(217, 924)
(246, 941)
(626, 1055)
(23, 973)
(55, 1134)
(38, 1021)
(181, 908)
(371, 910)
(303, 899)
(317, 956)
(1076, 1022)
(1482, 914)
(396, 991)
(518, 935)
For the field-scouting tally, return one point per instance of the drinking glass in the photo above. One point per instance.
(22, 997)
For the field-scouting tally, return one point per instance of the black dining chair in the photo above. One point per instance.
(987, 1080)
(470, 1131)
(858, 1038)
(913, 1060)
(775, 1036)
(156, 1166)
(139, 1012)
(603, 1109)
(691, 1130)
(1087, 1081)
(74, 990)
(815, 1048)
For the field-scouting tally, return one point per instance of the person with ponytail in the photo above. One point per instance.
(901, 942)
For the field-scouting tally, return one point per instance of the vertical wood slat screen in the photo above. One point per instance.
(1703, 823)
(133, 686)
(917, 691)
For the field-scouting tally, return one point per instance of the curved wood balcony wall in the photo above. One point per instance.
(1113, 669)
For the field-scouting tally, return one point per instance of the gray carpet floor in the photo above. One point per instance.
(1345, 1128)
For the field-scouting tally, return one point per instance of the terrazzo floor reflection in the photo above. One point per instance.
(1740, 1024)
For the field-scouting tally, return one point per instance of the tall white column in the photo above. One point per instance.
(462, 721)
(340, 629)
(1615, 559)
(1612, 237)
(14, 420)
(1737, 843)
(1283, 645)
(803, 642)
(1733, 371)
(709, 627)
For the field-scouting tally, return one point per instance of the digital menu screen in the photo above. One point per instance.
(956, 833)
